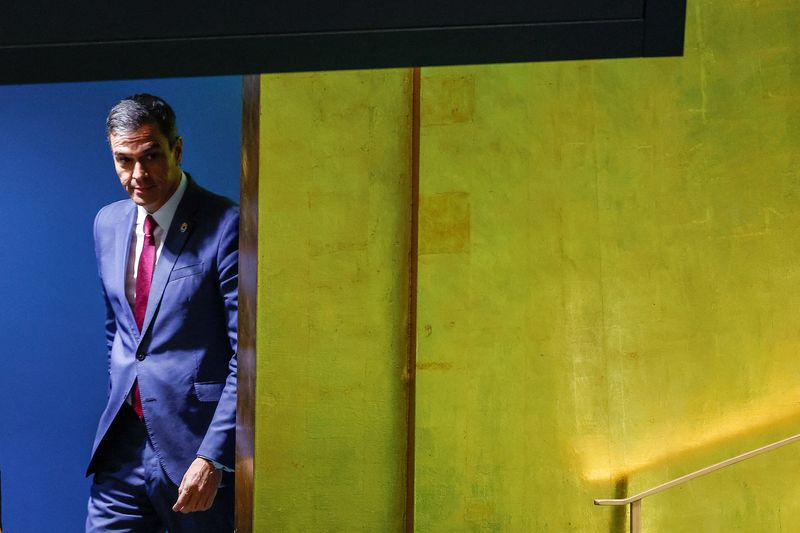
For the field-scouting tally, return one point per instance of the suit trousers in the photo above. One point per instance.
(131, 492)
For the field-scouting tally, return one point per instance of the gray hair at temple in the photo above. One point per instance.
(135, 111)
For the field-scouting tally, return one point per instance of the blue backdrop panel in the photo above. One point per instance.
(56, 171)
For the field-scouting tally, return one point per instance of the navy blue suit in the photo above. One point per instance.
(185, 355)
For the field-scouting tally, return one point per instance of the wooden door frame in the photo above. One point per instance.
(248, 294)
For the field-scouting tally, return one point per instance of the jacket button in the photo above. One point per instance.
(140, 356)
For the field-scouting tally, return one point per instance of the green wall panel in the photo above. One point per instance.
(607, 289)
(608, 284)
(334, 202)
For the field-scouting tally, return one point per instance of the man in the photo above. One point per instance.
(168, 261)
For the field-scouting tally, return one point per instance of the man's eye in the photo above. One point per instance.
(123, 160)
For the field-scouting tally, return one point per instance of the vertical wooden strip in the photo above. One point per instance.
(413, 257)
(248, 269)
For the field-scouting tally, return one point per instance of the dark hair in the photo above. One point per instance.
(135, 111)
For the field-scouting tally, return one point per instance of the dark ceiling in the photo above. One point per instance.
(43, 41)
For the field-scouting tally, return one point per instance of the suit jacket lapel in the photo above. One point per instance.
(124, 235)
(176, 238)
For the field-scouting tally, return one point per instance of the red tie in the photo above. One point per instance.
(144, 276)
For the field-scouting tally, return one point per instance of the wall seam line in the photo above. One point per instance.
(413, 262)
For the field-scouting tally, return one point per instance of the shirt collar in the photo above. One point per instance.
(166, 212)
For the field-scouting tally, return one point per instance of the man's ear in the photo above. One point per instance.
(178, 150)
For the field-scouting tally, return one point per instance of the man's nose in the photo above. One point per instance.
(139, 171)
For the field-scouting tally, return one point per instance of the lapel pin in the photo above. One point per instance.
(184, 227)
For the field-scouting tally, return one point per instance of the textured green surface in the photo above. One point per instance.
(609, 284)
(609, 279)
(332, 338)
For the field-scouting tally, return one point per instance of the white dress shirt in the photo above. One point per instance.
(163, 218)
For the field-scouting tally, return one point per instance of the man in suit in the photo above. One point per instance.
(168, 261)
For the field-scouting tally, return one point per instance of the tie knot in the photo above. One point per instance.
(149, 227)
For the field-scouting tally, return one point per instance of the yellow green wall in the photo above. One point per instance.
(332, 339)
(609, 274)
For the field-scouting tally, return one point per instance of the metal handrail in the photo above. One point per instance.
(635, 501)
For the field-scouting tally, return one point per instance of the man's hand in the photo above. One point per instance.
(198, 487)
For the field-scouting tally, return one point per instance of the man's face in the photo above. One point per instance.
(147, 167)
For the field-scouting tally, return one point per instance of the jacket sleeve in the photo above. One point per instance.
(219, 442)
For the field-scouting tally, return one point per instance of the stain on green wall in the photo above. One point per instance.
(331, 409)
(444, 223)
(626, 309)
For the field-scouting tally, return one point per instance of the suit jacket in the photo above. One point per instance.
(185, 355)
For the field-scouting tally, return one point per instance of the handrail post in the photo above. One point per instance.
(636, 516)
